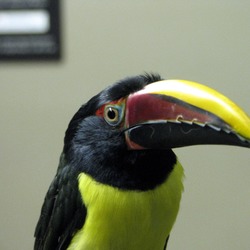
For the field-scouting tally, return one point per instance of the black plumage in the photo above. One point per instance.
(94, 147)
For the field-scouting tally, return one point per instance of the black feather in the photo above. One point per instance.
(114, 92)
(94, 147)
(63, 212)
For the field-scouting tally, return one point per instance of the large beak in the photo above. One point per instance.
(177, 113)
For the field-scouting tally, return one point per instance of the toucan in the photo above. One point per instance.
(118, 185)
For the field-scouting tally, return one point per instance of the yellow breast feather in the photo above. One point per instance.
(128, 220)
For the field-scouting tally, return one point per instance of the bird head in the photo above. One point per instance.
(137, 121)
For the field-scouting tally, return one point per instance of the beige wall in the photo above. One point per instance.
(205, 41)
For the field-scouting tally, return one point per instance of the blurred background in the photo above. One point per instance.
(104, 41)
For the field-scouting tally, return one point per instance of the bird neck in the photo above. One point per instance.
(133, 170)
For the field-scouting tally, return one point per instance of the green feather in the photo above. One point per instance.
(128, 220)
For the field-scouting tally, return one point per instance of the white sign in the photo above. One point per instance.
(24, 22)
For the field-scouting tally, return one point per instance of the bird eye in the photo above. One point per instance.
(112, 115)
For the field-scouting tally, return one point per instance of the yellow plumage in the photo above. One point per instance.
(128, 220)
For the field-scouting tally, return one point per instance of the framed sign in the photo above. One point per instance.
(30, 30)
